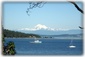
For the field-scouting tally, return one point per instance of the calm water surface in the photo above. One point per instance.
(47, 47)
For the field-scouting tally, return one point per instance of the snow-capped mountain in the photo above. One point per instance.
(42, 27)
(44, 30)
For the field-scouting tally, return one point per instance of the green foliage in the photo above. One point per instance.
(9, 49)
(9, 33)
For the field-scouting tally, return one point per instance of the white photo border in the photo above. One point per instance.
(1, 1)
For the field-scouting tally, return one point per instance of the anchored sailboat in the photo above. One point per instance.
(71, 45)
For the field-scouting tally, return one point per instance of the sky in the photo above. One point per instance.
(53, 14)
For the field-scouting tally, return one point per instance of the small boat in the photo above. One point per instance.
(71, 45)
(36, 41)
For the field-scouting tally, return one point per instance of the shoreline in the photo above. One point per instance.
(49, 38)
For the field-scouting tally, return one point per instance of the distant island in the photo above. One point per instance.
(14, 34)
(62, 35)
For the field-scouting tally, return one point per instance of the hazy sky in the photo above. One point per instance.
(54, 15)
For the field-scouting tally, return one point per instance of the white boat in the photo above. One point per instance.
(36, 41)
(71, 45)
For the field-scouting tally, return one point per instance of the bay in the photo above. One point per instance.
(47, 47)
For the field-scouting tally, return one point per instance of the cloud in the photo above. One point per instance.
(44, 27)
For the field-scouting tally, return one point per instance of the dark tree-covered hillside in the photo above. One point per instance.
(9, 33)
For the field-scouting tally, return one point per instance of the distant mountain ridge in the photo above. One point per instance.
(43, 27)
(44, 30)
(50, 32)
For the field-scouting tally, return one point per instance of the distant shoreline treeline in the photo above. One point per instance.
(9, 33)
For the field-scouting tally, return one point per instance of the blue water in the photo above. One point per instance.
(47, 47)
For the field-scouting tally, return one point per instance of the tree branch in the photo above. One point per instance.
(33, 5)
(77, 7)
